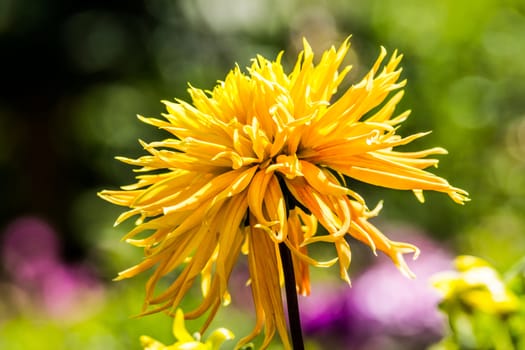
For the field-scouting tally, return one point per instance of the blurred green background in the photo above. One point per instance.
(75, 73)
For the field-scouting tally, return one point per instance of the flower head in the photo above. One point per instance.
(185, 341)
(261, 160)
(475, 285)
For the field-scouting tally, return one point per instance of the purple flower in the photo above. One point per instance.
(31, 257)
(30, 249)
(383, 309)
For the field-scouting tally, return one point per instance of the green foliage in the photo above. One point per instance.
(485, 311)
(107, 324)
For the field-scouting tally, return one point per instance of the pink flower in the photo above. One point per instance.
(31, 257)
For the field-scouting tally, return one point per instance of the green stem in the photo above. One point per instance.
(291, 297)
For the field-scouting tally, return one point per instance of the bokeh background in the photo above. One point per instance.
(73, 75)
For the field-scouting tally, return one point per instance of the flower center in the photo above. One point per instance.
(288, 165)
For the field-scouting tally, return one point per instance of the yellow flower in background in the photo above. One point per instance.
(262, 159)
(477, 285)
(185, 341)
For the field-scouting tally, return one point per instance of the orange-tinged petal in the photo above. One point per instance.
(318, 179)
(256, 194)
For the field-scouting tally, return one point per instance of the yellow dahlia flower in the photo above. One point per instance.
(185, 341)
(262, 159)
(476, 285)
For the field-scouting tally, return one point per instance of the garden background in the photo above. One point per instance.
(74, 74)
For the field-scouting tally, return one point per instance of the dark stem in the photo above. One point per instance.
(291, 298)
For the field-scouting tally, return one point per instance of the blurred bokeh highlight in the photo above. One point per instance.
(75, 73)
